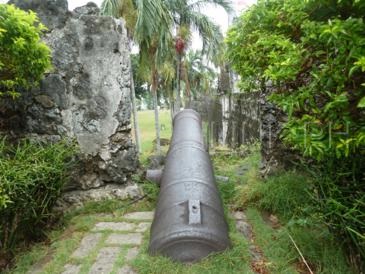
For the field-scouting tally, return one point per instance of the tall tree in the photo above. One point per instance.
(199, 74)
(187, 16)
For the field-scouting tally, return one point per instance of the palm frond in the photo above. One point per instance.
(153, 29)
(200, 4)
(111, 7)
(207, 29)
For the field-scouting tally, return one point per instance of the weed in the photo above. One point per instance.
(31, 177)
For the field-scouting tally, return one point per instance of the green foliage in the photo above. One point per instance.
(31, 180)
(341, 199)
(311, 207)
(317, 244)
(286, 194)
(23, 57)
(313, 55)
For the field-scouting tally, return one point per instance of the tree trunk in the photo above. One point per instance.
(178, 98)
(137, 134)
(171, 98)
(187, 84)
(157, 123)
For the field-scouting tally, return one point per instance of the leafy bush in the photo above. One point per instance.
(312, 56)
(23, 57)
(31, 180)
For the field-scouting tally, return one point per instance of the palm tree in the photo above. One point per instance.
(152, 33)
(200, 75)
(187, 15)
(167, 75)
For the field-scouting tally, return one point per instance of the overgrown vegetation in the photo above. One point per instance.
(244, 190)
(31, 179)
(235, 260)
(289, 196)
(311, 55)
(53, 255)
(23, 57)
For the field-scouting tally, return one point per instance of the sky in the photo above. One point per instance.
(218, 15)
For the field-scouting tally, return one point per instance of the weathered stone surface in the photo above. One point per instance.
(143, 215)
(71, 269)
(274, 154)
(124, 239)
(142, 227)
(244, 228)
(53, 13)
(156, 161)
(242, 118)
(77, 198)
(126, 270)
(87, 95)
(88, 243)
(233, 119)
(44, 100)
(133, 191)
(239, 215)
(105, 260)
(116, 226)
(89, 9)
(131, 254)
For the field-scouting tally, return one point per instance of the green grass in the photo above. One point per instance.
(234, 260)
(65, 239)
(275, 253)
(146, 121)
(288, 195)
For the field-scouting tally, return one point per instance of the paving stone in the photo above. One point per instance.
(126, 270)
(144, 215)
(131, 254)
(71, 269)
(116, 226)
(124, 239)
(105, 260)
(88, 243)
(142, 227)
(239, 215)
(244, 228)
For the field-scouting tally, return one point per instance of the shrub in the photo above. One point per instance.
(31, 179)
(312, 55)
(23, 57)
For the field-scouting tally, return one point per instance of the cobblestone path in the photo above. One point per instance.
(112, 245)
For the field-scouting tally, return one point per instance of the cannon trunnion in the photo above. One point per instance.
(189, 219)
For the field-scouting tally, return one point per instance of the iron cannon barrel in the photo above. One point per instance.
(189, 219)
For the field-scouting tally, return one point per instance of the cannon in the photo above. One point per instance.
(189, 221)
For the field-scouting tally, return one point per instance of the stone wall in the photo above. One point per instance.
(274, 154)
(86, 96)
(231, 120)
(243, 118)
